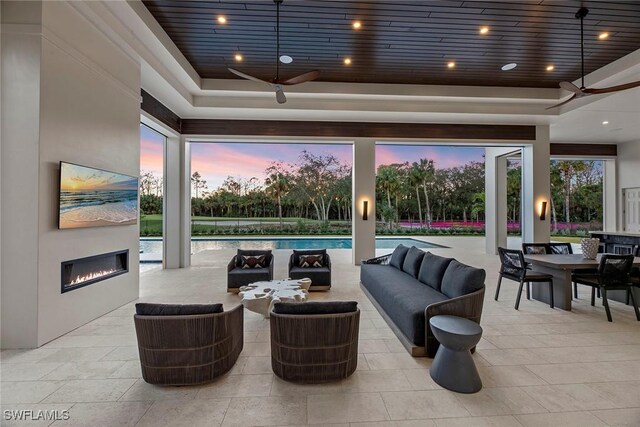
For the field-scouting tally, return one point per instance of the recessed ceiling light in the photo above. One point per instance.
(606, 122)
(510, 66)
(451, 64)
(347, 61)
(603, 36)
(357, 25)
(222, 20)
(550, 68)
(484, 30)
(286, 59)
(238, 57)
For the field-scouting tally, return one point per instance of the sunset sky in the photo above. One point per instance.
(80, 178)
(216, 161)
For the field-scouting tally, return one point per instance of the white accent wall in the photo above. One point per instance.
(72, 95)
(628, 170)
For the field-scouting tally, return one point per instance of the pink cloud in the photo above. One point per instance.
(151, 156)
(443, 156)
(216, 161)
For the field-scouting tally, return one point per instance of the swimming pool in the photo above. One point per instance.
(151, 248)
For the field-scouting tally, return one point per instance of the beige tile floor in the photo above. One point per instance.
(540, 367)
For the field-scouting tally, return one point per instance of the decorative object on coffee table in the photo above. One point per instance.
(316, 341)
(453, 366)
(259, 297)
(590, 247)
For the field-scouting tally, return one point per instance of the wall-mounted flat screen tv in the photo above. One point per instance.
(92, 197)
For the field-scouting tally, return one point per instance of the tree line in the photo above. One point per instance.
(318, 187)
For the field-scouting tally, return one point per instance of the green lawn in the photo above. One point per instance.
(569, 239)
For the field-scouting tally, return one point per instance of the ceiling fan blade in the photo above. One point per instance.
(562, 103)
(280, 95)
(302, 78)
(617, 88)
(247, 76)
(570, 87)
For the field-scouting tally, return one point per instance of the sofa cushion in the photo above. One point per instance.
(432, 269)
(402, 298)
(245, 252)
(149, 309)
(398, 256)
(315, 307)
(412, 261)
(460, 279)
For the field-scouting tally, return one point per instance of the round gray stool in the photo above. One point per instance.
(453, 367)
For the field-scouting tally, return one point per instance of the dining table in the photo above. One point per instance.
(561, 267)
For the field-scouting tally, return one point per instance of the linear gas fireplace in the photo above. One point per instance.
(85, 271)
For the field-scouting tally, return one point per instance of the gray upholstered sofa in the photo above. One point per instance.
(410, 286)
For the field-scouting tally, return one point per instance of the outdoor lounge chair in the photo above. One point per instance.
(320, 275)
(238, 275)
(187, 344)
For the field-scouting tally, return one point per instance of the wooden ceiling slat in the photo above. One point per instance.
(403, 41)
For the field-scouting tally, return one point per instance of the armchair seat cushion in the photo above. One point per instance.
(320, 276)
(243, 276)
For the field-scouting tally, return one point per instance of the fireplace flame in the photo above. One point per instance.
(90, 276)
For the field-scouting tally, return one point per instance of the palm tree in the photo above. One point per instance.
(416, 179)
(277, 185)
(427, 169)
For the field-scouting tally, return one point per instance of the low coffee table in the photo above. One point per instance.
(259, 297)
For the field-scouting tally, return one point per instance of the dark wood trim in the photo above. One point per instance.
(357, 129)
(581, 150)
(157, 109)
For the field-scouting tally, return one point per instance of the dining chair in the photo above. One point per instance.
(634, 276)
(613, 274)
(514, 267)
(560, 248)
(536, 248)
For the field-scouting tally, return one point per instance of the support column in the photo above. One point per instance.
(536, 187)
(609, 196)
(364, 190)
(185, 203)
(171, 203)
(495, 183)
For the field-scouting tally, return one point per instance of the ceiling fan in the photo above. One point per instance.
(276, 83)
(581, 92)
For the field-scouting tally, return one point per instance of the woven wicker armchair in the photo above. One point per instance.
(189, 349)
(314, 348)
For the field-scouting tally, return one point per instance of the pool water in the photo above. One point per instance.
(151, 249)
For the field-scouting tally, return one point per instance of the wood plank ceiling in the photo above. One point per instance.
(403, 41)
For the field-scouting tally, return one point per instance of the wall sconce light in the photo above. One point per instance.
(365, 210)
(543, 211)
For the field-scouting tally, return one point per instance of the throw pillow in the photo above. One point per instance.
(251, 261)
(460, 279)
(310, 261)
(398, 255)
(412, 261)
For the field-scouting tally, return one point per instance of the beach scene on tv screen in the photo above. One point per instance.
(95, 198)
